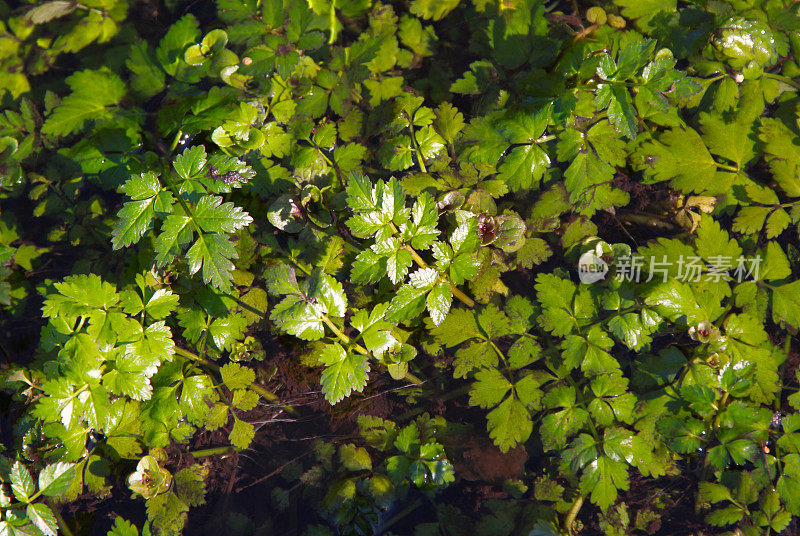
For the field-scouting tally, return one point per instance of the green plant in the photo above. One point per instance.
(22, 514)
(369, 216)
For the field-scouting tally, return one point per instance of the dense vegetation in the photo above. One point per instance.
(312, 267)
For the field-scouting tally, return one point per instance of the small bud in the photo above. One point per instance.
(247, 60)
(738, 78)
(596, 15)
(616, 22)
(704, 332)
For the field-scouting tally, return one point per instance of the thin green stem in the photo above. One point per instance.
(332, 23)
(787, 345)
(726, 167)
(500, 354)
(357, 347)
(268, 395)
(346, 340)
(263, 392)
(322, 153)
(414, 255)
(194, 357)
(785, 79)
(722, 403)
(185, 206)
(213, 451)
(625, 311)
(647, 219)
(62, 524)
(340, 334)
(463, 298)
(300, 267)
(573, 513)
(403, 513)
(175, 141)
(417, 150)
(413, 378)
(466, 300)
(592, 427)
(245, 306)
(204, 339)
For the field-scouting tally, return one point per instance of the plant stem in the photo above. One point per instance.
(573, 513)
(586, 31)
(186, 209)
(414, 255)
(413, 378)
(322, 153)
(213, 451)
(332, 23)
(722, 404)
(631, 309)
(340, 334)
(711, 80)
(500, 354)
(62, 525)
(263, 392)
(592, 427)
(646, 219)
(400, 515)
(726, 167)
(175, 141)
(194, 357)
(463, 298)
(268, 395)
(787, 345)
(466, 300)
(346, 340)
(417, 149)
(245, 306)
(358, 348)
(785, 79)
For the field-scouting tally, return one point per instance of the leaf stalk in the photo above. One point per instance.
(573, 513)
(263, 392)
